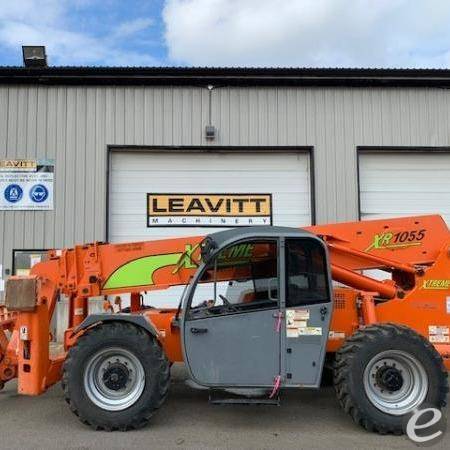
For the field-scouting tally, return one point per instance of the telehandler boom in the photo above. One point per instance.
(259, 314)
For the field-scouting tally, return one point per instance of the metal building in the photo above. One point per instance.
(320, 145)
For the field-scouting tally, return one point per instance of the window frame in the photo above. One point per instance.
(323, 251)
(204, 267)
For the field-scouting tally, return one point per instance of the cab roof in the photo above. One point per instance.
(221, 238)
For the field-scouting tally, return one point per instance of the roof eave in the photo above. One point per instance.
(227, 77)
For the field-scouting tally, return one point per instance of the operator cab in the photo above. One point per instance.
(258, 309)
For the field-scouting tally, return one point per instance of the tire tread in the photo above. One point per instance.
(125, 330)
(349, 351)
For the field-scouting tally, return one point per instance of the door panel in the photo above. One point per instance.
(391, 193)
(241, 349)
(305, 353)
(230, 332)
(308, 310)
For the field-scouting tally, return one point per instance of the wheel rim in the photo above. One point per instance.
(395, 382)
(114, 379)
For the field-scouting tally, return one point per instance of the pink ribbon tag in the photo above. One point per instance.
(278, 323)
(276, 386)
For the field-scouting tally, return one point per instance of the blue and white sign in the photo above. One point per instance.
(38, 193)
(26, 187)
(13, 193)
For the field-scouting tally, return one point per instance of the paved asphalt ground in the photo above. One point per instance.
(305, 420)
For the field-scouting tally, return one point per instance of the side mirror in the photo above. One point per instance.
(207, 246)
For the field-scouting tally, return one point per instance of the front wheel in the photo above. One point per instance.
(384, 372)
(115, 377)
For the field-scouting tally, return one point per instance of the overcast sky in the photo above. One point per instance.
(308, 33)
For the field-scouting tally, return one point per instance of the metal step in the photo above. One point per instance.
(219, 397)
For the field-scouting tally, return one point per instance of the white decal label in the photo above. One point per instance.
(336, 335)
(310, 331)
(440, 339)
(435, 329)
(301, 314)
(23, 333)
(297, 323)
(291, 332)
(439, 334)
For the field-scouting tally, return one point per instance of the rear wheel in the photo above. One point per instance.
(115, 377)
(385, 372)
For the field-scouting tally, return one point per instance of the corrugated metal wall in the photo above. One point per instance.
(74, 125)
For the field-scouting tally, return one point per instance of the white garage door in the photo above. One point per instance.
(404, 184)
(134, 174)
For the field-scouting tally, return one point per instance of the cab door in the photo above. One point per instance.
(308, 303)
(232, 320)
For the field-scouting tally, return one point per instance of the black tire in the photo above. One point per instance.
(328, 371)
(357, 353)
(327, 377)
(150, 355)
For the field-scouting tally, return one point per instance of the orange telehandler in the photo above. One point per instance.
(264, 309)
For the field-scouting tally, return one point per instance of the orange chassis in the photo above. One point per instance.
(414, 250)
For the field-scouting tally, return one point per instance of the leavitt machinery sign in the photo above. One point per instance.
(208, 210)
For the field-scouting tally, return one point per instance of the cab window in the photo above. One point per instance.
(306, 271)
(241, 278)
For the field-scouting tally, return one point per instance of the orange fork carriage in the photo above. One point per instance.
(414, 250)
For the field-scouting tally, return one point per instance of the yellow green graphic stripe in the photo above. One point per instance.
(140, 271)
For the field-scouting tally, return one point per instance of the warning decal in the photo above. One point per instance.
(297, 324)
(439, 334)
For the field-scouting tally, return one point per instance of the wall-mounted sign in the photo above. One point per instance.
(11, 165)
(26, 185)
(208, 210)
